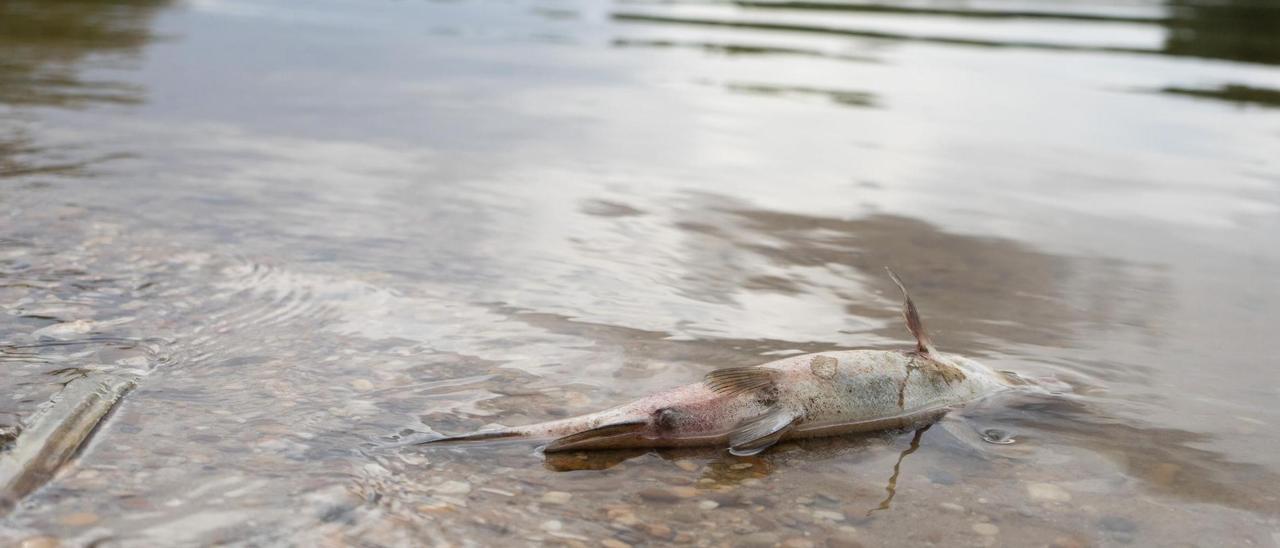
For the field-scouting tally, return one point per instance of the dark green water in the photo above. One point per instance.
(312, 226)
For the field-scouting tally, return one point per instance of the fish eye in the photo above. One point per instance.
(666, 418)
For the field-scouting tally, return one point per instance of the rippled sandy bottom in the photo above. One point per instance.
(288, 435)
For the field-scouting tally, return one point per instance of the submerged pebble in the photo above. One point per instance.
(453, 487)
(42, 541)
(986, 529)
(659, 531)
(667, 494)
(828, 515)
(1165, 473)
(756, 540)
(557, 497)
(80, 519)
(844, 540)
(687, 465)
(1068, 542)
(1047, 492)
(1116, 524)
(65, 330)
(623, 516)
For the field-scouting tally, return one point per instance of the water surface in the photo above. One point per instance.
(315, 227)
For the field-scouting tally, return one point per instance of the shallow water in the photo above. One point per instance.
(313, 228)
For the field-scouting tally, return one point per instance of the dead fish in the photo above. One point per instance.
(751, 408)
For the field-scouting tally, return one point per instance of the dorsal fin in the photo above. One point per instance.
(923, 344)
(732, 381)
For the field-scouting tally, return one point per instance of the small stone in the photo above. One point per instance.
(986, 529)
(1068, 542)
(756, 540)
(687, 465)
(658, 531)
(434, 508)
(623, 516)
(80, 519)
(1116, 524)
(1165, 473)
(556, 497)
(685, 492)
(65, 330)
(453, 487)
(42, 541)
(362, 385)
(667, 494)
(952, 507)
(708, 505)
(740, 466)
(1047, 492)
(843, 540)
(552, 525)
(764, 501)
(614, 543)
(728, 498)
(797, 542)
(828, 515)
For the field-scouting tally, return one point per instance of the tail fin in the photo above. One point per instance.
(923, 344)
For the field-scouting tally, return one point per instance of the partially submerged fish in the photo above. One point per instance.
(752, 408)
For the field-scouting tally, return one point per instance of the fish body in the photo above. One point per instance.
(749, 409)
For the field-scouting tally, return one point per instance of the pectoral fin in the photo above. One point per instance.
(597, 438)
(757, 434)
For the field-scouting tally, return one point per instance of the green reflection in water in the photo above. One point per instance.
(1236, 30)
(48, 44)
(1233, 30)
(1234, 93)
